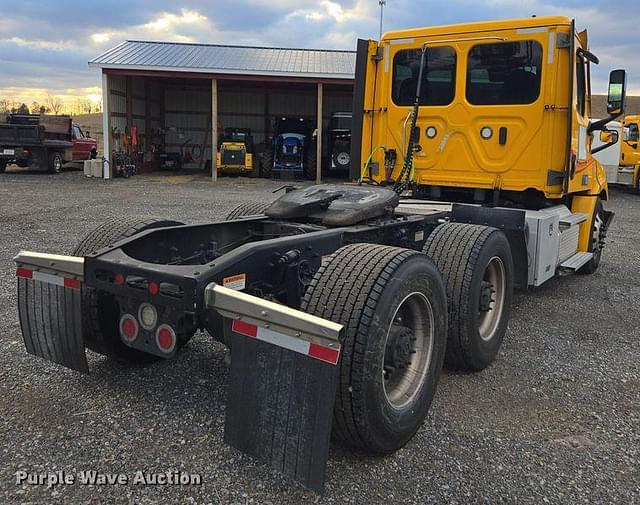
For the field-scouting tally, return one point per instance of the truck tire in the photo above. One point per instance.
(477, 267)
(247, 209)
(3, 166)
(100, 311)
(267, 164)
(596, 240)
(310, 163)
(392, 303)
(55, 162)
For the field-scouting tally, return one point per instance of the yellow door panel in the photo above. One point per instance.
(455, 153)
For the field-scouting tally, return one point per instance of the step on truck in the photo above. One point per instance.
(339, 304)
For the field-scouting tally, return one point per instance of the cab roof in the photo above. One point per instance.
(480, 26)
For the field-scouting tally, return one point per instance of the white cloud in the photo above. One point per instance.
(55, 45)
(166, 26)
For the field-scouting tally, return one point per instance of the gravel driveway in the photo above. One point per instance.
(555, 420)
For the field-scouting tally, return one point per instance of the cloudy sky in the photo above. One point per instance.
(45, 45)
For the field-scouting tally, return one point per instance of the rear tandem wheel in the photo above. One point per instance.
(477, 267)
(393, 305)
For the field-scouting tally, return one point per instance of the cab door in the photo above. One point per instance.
(482, 107)
(81, 145)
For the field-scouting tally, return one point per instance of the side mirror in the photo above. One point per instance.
(617, 92)
(86, 134)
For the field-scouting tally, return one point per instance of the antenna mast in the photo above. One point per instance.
(382, 3)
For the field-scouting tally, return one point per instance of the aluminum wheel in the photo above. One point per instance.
(408, 350)
(597, 238)
(492, 296)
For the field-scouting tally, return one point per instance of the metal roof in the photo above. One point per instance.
(223, 59)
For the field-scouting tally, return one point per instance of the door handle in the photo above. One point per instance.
(502, 135)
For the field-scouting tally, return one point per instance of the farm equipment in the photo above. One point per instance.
(235, 153)
(340, 303)
(292, 149)
(340, 140)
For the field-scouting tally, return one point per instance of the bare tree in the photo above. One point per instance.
(55, 104)
(84, 105)
(5, 105)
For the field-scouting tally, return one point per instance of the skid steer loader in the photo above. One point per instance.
(340, 303)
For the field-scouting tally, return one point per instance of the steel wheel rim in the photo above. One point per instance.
(57, 164)
(343, 158)
(596, 240)
(489, 320)
(414, 312)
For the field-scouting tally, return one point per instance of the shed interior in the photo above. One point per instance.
(150, 114)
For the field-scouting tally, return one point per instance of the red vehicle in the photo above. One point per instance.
(40, 141)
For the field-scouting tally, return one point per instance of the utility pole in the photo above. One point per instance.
(382, 3)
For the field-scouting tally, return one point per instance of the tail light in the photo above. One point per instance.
(128, 328)
(165, 338)
(148, 316)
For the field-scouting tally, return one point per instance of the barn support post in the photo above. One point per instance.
(106, 125)
(214, 129)
(319, 136)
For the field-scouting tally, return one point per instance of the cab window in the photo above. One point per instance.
(438, 78)
(634, 134)
(78, 132)
(504, 73)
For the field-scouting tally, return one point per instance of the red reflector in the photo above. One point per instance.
(165, 338)
(324, 353)
(119, 279)
(153, 288)
(24, 273)
(246, 329)
(71, 283)
(128, 328)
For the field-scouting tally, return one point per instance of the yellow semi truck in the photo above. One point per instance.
(340, 303)
(629, 170)
(503, 118)
(622, 162)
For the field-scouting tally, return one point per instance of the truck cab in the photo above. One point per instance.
(501, 116)
(630, 150)
(84, 147)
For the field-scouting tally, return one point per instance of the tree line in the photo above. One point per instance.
(52, 104)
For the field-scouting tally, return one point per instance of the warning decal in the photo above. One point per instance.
(237, 282)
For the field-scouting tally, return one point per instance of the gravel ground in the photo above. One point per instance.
(555, 420)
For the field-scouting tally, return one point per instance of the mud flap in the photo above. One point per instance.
(282, 384)
(49, 306)
(280, 408)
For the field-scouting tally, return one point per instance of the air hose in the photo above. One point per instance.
(366, 165)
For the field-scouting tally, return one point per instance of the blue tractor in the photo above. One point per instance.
(292, 150)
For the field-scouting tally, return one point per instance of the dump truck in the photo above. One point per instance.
(339, 304)
(42, 141)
